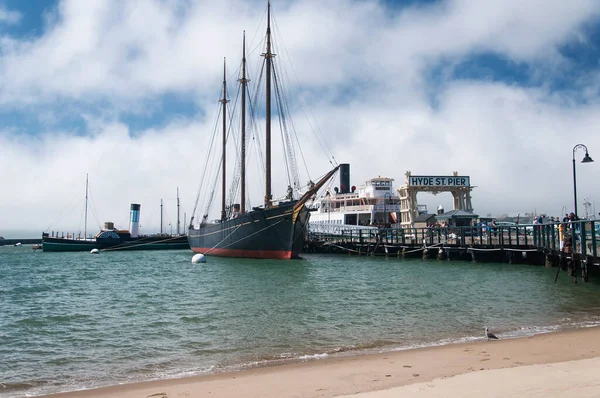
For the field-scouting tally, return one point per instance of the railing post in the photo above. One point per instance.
(594, 249)
(573, 237)
(544, 233)
(583, 233)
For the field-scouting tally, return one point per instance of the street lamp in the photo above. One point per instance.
(586, 159)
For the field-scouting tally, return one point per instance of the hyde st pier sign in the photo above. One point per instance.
(459, 186)
(438, 181)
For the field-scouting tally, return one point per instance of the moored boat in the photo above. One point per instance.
(111, 238)
(374, 204)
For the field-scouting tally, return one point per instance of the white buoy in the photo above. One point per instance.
(198, 258)
(95, 251)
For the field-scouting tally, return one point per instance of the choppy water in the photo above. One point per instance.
(73, 320)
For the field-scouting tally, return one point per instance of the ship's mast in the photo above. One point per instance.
(244, 82)
(224, 102)
(177, 210)
(268, 58)
(161, 220)
(86, 204)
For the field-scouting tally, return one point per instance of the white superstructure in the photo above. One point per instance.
(375, 204)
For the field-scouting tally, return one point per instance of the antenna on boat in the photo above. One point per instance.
(177, 210)
(86, 204)
(268, 58)
(244, 82)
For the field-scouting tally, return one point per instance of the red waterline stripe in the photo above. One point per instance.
(275, 254)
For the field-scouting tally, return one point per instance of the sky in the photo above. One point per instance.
(127, 94)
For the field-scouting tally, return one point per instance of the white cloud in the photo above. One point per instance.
(9, 17)
(362, 69)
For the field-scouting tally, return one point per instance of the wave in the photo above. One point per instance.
(166, 371)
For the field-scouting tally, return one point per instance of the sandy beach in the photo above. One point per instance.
(553, 364)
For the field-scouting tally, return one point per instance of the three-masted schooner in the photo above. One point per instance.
(275, 230)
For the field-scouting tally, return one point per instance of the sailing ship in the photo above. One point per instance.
(276, 230)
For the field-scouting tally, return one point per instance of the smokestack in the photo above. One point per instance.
(344, 178)
(134, 220)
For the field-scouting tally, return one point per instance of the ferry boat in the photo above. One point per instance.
(375, 204)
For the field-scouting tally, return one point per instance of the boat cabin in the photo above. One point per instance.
(374, 203)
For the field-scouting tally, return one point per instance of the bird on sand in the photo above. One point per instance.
(490, 335)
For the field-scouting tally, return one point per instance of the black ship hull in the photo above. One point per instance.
(154, 242)
(277, 232)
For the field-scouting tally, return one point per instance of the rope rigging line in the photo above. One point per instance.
(316, 131)
(237, 174)
(411, 251)
(286, 137)
(216, 164)
(241, 239)
(222, 240)
(206, 166)
(281, 120)
(254, 117)
(124, 246)
(67, 209)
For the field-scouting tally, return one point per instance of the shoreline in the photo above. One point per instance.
(340, 376)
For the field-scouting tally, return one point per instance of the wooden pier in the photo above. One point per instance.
(572, 246)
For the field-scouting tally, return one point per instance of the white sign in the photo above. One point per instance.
(427, 181)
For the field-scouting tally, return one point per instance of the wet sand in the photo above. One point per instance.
(564, 364)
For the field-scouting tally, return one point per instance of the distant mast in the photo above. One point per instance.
(161, 205)
(86, 204)
(177, 210)
(224, 102)
(268, 58)
(244, 82)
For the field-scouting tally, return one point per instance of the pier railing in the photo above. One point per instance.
(583, 236)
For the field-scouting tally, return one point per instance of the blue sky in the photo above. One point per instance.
(127, 91)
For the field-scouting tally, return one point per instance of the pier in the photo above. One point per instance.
(571, 246)
(28, 241)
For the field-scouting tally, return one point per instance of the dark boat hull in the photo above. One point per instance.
(278, 233)
(50, 244)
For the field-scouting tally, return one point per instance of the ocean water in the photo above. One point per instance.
(71, 321)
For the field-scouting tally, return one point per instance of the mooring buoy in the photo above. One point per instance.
(198, 258)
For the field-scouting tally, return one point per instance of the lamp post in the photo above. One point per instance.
(586, 159)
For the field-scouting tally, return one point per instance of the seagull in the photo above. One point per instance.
(490, 335)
